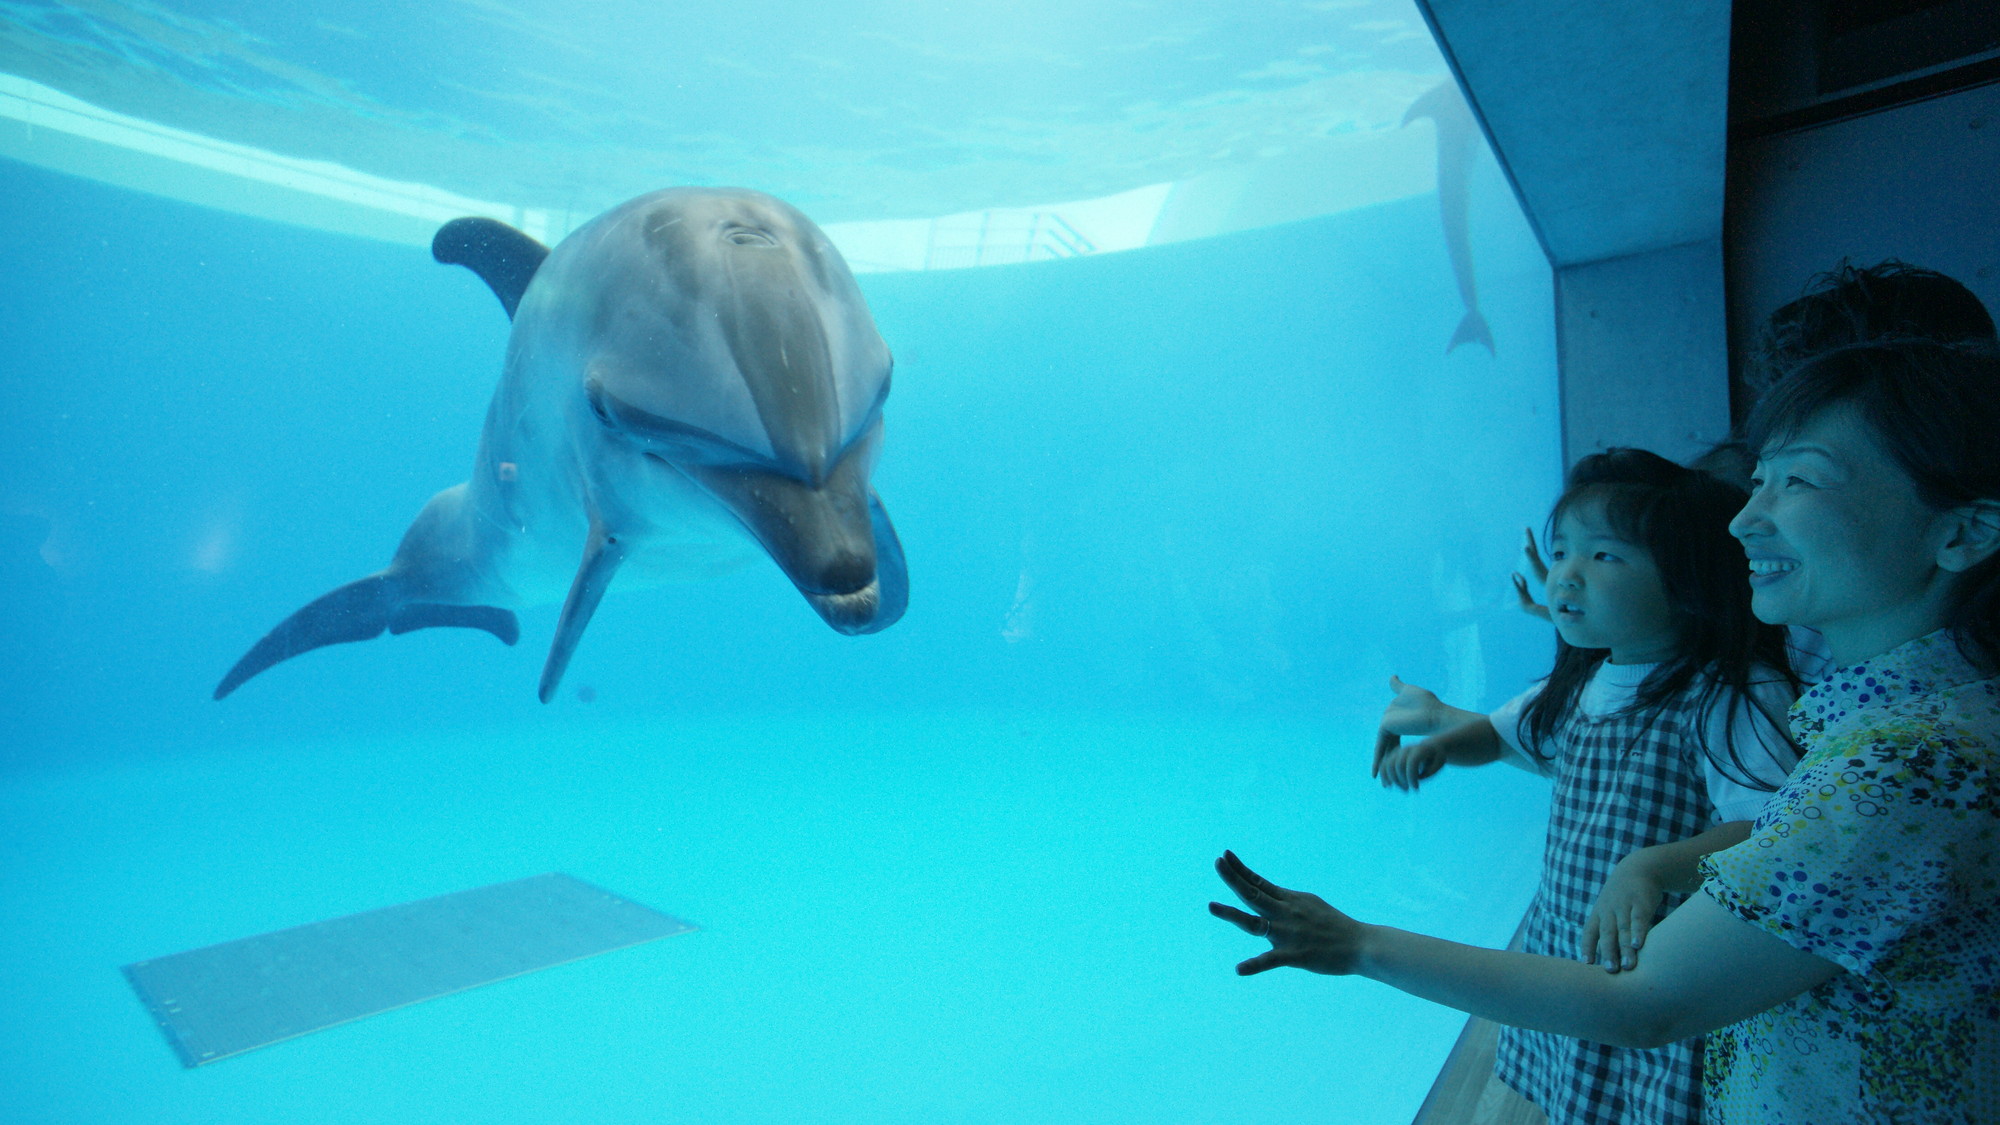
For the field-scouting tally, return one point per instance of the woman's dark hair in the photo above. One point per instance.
(1680, 517)
(1935, 410)
(1850, 305)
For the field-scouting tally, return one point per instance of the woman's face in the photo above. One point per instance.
(1838, 540)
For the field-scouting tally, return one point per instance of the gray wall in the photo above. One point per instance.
(1920, 182)
(1641, 345)
(1611, 122)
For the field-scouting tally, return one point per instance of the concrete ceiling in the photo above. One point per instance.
(1611, 118)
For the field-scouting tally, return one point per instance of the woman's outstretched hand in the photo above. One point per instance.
(1304, 931)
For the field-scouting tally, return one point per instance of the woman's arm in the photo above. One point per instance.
(1704, 968)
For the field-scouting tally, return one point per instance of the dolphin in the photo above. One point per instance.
(692, 378)
(1455, 133)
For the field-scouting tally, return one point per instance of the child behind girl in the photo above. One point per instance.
(1662, 728)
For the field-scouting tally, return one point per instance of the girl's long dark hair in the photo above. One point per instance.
(1680, 517)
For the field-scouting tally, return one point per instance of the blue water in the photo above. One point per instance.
(1172, 518)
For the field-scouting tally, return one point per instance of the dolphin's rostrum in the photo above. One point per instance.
(692, 377)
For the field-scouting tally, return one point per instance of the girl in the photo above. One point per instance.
(1846, 957)
(1658, 727)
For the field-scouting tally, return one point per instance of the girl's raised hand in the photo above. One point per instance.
(1624, 912)
(1303, 930)
(1539, 569)
(1414, 713)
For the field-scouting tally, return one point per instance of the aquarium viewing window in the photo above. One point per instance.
(1216, 381)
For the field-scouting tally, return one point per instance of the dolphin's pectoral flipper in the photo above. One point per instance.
(891, 572)
(504, 258)
(360, 611)
(601, 558)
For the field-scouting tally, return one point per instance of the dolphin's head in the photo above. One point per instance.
(740, 353)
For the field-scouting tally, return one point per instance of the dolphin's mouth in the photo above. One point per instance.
(820, 535)
(849, 613)
(815, 521)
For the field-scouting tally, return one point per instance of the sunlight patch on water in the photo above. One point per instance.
(44, 126)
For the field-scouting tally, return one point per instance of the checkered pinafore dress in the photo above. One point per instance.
(1622, 782)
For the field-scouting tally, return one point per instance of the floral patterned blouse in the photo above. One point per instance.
(1881, 853)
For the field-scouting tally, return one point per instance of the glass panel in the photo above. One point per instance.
(1180, 461)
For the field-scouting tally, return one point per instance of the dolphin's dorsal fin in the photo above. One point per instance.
(504, 258)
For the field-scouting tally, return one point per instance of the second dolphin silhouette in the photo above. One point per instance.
(1456, 134)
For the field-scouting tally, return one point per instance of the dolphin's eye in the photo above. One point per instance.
(740, 235)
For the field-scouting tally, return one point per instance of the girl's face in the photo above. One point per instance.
(1839, 542)
(1605, 592)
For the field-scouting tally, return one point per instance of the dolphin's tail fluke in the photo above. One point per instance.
(1472, 330)
(1440, 102)
(361, 611)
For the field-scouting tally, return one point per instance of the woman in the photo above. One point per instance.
(1845, 959)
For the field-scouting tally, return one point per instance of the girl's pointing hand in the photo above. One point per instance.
(1414, 713)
